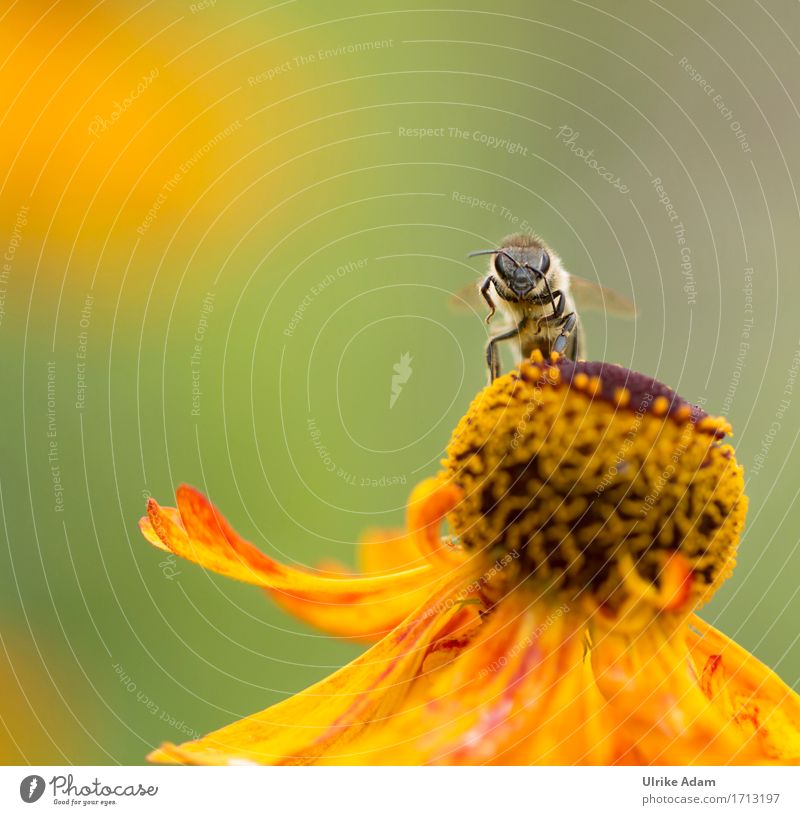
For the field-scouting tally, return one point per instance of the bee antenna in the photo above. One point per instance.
(496, 252)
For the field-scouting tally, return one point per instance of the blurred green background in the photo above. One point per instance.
(223, 229)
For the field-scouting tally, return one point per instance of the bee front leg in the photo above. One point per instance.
(485, 286)
(493, 353)
(567, 327)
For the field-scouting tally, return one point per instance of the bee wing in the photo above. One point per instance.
(592, 296)
(468, 298)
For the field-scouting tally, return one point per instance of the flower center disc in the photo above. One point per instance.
(585, 470)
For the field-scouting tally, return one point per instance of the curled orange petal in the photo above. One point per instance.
(348, 605)
(200, 533)
(430, 501)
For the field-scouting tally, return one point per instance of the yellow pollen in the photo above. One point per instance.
(661, 406)
(622, 397)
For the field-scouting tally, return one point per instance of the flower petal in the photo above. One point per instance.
(341, 603)
(365, 619)
(650, 688)
(304, 727)
(146, 528)
(198, 532)
(430, 501)
(747, 692)
(521, 693)
(387, 550)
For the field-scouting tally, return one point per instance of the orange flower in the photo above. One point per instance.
(593, 510)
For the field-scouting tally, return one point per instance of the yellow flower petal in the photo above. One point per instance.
(747, 692)
(651, 691)
(430, 501)
(387, 550)
(521, 693)
(362, 620)
(302, 728)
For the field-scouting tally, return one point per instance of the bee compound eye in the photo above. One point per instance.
(545, 262)
(501, 264)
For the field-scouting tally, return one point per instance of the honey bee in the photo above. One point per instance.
(538, 297)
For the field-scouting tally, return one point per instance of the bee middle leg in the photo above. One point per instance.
(493, 353)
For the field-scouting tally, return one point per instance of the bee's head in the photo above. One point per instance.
(521, 263)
